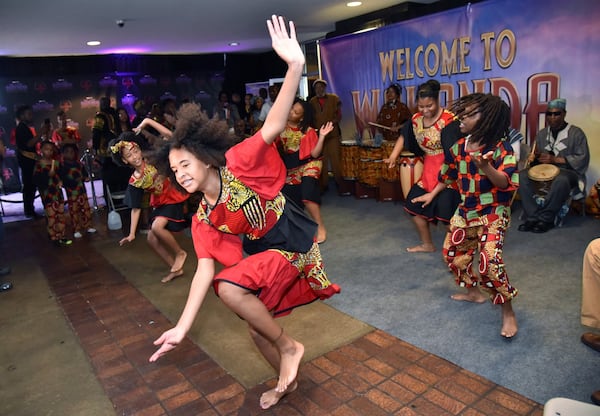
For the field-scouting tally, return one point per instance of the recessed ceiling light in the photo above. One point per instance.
(234, 44)
(94, 43)
(354, 3)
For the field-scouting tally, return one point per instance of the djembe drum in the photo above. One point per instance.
(370, 165)
(411, 168)
(350, 159)
(387, 173)
(542, 176)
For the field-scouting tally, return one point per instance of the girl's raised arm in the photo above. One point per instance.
(287, 47)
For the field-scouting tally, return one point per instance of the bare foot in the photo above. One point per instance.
(291, 355)
(271, 397)
(179, 261)
(509, 323)
(421, 248)
(171, 276)
(321, 234)
(471, 296)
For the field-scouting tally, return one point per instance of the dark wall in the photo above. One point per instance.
(75, 83)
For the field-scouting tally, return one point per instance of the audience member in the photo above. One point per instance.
(239, 130)
(114, 177)
(139, 106)
(123, 121)
(226, 111)
(26, 155)
(254, 117)
(4, 269)
(590, 307)
(562, 145)
(245, 110)
(328, 107)
(64, 133)
(169, 112)
(264, 111)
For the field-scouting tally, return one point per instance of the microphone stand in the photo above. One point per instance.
(87, 159)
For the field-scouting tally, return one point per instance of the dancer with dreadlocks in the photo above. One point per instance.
(241, 195)
(483, 167)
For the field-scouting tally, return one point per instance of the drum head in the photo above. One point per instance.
(543, 172)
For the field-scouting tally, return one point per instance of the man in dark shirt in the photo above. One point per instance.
(26, 156)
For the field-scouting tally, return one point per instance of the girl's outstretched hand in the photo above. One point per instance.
(167, 341)
(284, 44)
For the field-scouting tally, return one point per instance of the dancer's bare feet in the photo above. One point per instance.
(473, 295)
(271, 397)
(509, 321)
(321, 234)
(179, 261)
(291, 355)
(171, 276)
(422, 248)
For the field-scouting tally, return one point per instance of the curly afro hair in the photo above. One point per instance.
(206, 138)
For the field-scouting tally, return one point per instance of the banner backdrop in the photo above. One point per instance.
(527, 52)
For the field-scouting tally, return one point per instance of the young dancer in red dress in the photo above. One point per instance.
(242, 195)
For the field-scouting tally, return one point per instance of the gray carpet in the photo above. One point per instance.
(407, 295)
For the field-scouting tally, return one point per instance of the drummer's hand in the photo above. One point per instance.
(425, 199)
(390, 162)
(545, 158)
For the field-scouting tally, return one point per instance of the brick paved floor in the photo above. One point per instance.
(375, 375)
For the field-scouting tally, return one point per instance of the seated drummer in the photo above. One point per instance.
(563, 145)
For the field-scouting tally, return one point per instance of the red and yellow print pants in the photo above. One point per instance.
(55, 219)
(80, 213)
(460, 246)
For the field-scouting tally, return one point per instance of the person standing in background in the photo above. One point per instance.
(328, 108)
(26, 156)
(64, 133)
(4, 270)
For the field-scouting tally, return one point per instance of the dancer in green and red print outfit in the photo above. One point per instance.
(73, 176)
(300, 146)
(241, 190)
(483, 167)
(46, 178)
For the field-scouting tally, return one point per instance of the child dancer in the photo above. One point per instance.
(73, 175)
(166, 202)
(300, 148)
(241, 195)
(47, 179)
(483, 166)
